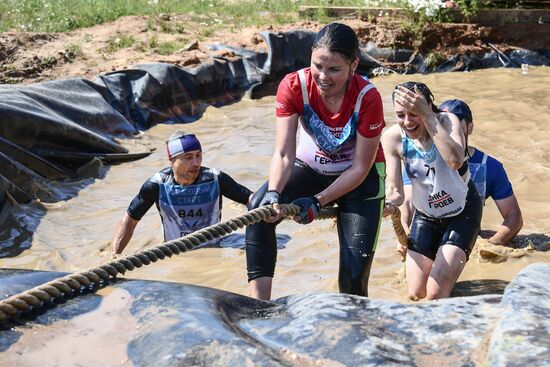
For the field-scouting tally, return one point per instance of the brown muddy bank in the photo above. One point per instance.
(33, 57)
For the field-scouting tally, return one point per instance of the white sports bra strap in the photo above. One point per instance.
(302, 75)
(364, 91)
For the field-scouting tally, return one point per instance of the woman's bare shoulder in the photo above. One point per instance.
(392, 132)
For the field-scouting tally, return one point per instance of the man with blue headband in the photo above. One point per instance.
(188, 196)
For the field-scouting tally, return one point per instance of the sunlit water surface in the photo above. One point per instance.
(511, 123)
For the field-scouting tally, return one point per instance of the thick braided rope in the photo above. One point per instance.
(399, 230)
(55, 290)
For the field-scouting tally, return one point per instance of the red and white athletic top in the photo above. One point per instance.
(371, 119)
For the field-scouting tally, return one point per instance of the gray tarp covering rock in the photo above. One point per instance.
(181, 324)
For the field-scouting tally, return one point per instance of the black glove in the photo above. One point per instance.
(310, 207)
(270, 197)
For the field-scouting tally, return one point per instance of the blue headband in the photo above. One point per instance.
(184, 144)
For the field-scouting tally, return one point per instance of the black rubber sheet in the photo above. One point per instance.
(172, 324)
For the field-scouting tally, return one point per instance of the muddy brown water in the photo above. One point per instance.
(510, 111)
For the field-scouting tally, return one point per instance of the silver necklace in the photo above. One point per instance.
(331, 100)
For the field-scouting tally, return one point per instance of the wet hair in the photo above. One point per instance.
(339, 38)
(422, 88)
(459, 108)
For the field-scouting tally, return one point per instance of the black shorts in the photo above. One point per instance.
(429, 233)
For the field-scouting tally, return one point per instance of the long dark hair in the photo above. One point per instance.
(423, 89)
(340, 38)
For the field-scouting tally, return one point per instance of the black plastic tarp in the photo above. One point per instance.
(171, 324)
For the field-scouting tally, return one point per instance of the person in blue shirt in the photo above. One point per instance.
(490, 179)
(432, 146)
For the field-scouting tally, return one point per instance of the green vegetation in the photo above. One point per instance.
(166, 48)
(48, 61)
(9, 80)
(434, 59)
(153, 42)
(74, 51)
(470, 7)
(161, 48)
(118, 42)
(67, 15)
(415, 28)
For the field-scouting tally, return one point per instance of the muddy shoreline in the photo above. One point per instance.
(35, 57)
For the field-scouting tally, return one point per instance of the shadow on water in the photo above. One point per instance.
(532, 241)
(17, 225)
(18, 222)
(540, 241)
(479, 287)
(236, 241)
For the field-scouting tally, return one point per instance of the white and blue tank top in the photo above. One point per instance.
(438, 190)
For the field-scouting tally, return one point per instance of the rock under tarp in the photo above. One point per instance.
(171, 324)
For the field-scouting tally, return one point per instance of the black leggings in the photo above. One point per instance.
(358, 222)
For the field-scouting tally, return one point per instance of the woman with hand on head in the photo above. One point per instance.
(432, 145)
(338, 159)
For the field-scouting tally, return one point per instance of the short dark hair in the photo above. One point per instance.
(422, 88)
(340, 38)
(458, 108)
